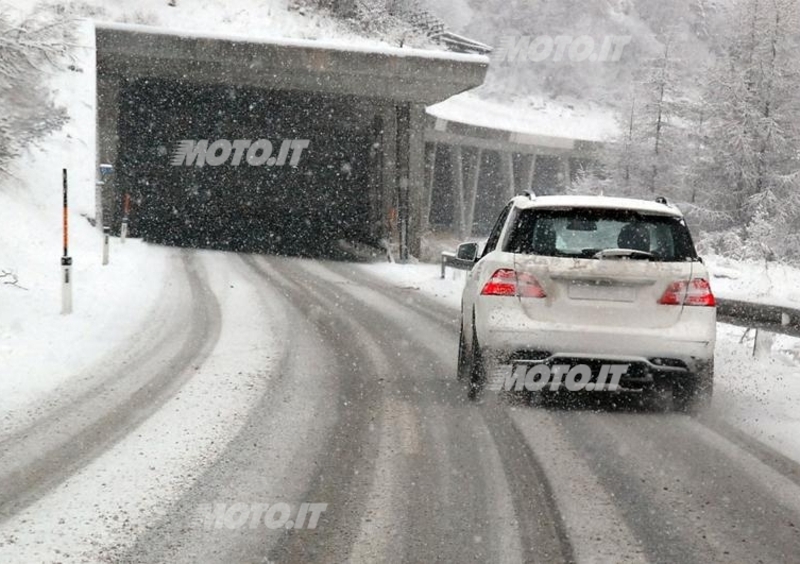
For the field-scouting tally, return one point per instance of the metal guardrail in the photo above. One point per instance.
(734, 312)
(451, 260)
(759, 316)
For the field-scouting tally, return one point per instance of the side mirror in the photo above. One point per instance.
(467, 251)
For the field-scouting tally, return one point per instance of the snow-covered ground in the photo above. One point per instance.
(254, 18)
(767, 283)
(423, 277)
(40, 348)
(143, 474)
(758, 384)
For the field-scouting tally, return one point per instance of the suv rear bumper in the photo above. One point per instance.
(640, 373)
(506, 333)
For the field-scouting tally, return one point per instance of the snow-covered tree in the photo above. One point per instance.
(649, 157)
(753, 119)
(29, 46)
(728, 148)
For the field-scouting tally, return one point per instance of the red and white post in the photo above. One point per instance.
(66, 260)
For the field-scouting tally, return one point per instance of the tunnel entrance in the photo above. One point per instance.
(361, 108)
(308, 209)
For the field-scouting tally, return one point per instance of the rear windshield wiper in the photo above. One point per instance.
(623, 253)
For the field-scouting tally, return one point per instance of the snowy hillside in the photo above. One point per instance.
(649, 23)
(256, 18)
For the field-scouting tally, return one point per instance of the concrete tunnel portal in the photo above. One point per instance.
(359, 180)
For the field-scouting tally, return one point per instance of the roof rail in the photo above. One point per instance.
(662, 200)
(531, 194)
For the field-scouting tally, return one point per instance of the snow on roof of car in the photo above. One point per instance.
(603, 202)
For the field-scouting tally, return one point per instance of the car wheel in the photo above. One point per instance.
(542, 398)
(477, 370)
(661, 397)
(694, 394)
(463, 370)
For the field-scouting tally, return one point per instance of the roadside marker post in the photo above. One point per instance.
(126, 207)
(106, 170)
(106, 234)
(66, 260)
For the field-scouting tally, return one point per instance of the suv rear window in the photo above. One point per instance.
(595, 233)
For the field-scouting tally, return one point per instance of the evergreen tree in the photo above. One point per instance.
(753, 109)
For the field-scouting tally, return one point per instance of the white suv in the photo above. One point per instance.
(591, 279)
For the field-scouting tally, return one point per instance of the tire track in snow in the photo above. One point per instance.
(521, 489)
(121, 496)
(37, 458)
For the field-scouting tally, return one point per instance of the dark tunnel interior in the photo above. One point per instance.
(307, 210)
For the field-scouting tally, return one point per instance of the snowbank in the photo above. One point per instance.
(758, 386)
(766, 283)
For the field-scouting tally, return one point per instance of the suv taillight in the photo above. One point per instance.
(507, 282)
(696, 292)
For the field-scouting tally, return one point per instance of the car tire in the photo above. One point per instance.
(693, 394)
(477, 369)
(463, 370)
(662, 397)
(542, 398)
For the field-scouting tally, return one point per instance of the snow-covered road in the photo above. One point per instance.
(262, 380)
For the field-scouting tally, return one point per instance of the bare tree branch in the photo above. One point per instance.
(11, 279)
